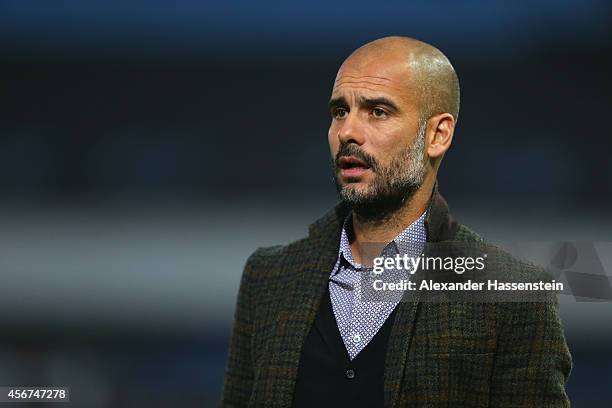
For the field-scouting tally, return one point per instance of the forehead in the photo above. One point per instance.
(374, 76)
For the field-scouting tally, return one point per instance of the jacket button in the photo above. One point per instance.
(350, 374)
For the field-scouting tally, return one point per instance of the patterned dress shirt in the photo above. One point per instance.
(359, 318)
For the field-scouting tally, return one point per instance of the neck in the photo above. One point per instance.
(381, 231)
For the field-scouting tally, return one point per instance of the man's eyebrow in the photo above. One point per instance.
(339, 101)
(366, 102)
(379, 101)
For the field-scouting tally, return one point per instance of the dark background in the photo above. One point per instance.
(147, 148)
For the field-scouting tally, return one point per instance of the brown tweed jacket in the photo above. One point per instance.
(439, 354)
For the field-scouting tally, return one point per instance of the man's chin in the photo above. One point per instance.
(371, 204)
(357, 190)
(357, 196)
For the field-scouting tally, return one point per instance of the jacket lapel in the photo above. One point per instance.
(440, 226)
(311, 264)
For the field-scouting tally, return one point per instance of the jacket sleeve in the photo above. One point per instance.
(533, 362)
(239, 370)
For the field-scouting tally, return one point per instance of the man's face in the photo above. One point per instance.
(375, 138)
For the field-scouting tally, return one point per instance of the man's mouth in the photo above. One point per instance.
(352, 167)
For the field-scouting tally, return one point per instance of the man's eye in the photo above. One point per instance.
(378, 113)
(340, 113)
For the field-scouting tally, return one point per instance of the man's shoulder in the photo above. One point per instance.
(265, 255)
(273, 257)
(466, 234)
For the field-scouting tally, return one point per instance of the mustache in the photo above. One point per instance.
(352, 150)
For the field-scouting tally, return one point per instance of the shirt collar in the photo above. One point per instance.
(403, 243)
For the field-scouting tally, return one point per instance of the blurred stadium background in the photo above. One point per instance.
(147, 148)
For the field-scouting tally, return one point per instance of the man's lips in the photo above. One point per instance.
(351, 167)
(347, 162)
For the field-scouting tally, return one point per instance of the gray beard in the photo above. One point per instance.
(393, 185)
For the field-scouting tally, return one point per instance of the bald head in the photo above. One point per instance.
(431, 77)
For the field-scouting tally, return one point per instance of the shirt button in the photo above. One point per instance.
(350, 374)
(356, 338)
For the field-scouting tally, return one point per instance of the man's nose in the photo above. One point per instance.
(351, 130)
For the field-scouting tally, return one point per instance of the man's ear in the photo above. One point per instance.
(440, 130)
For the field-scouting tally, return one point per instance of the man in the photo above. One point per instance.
(304, 337)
